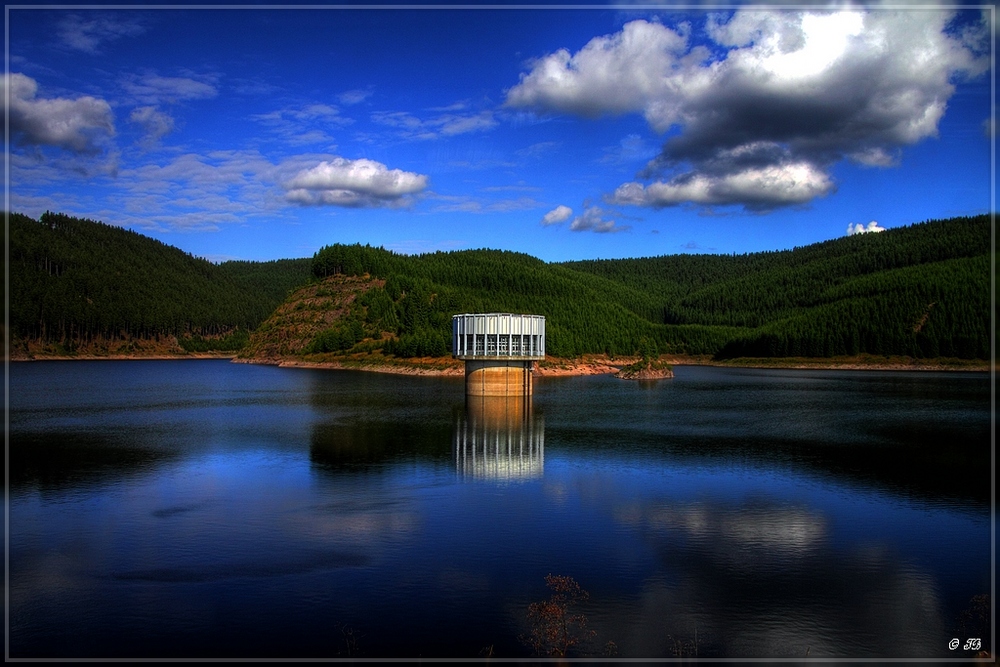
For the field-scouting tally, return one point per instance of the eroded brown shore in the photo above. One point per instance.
(551, 366)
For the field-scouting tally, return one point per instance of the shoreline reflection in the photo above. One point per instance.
(499, 438)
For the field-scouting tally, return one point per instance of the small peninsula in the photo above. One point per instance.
(646, 369)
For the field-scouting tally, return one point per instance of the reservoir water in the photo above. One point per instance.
(209, 509)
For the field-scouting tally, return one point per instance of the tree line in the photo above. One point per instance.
(584, 313)
(920, 291)
(73, 280)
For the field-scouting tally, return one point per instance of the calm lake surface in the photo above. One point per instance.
(209, 509)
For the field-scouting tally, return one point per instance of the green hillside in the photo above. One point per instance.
(929, 310)
(584, 312)
(920, 291)
(73, 280)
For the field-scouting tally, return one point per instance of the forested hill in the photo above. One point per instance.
(920, 291)
(755, 288)
(72, 280)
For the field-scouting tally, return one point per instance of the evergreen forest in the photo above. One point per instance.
(72, 280)
(920, 291)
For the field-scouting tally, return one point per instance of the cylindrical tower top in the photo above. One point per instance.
(498, 336)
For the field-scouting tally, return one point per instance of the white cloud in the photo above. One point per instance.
(82, 125)
(253, 87)
(785, 45)
(305, 124)
(863, 229)
(614, 74)
(755, 188)
(778, 90)
(593, 220)
(407, 125)
(520, 187)
(630, 149)
(153, 89)
(875, 157)
(451, 124)
(353, 183)
(87, 34)
(448, 124)
(350, 97)
(558, 214)
(187, 192)
(457, 204)
(517, 204)
(481, 162)
(535, 151)
(319, 111)
(154, 123)
(467, 204)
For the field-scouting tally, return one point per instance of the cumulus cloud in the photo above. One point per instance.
(755, 188)
(781, 97)
(613, 74)
(863, 229)
(592, 220)
(352, 183)
(558, 214)
(155, 123)
(88, 34)
(82, 125)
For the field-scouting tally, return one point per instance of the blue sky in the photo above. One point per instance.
(563, 133)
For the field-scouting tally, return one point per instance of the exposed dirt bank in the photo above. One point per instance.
(862, 362)
(375, 364)
(550, 367)
(587, 365)
(603, 365)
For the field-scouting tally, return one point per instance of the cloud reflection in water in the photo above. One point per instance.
(756, 577)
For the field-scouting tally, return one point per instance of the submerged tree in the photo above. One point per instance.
(554, 628)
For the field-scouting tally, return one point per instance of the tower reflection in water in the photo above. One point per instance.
(499, 437)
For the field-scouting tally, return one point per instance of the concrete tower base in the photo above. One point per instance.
(487, 377)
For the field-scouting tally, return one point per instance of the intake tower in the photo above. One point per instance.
(499, 350)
